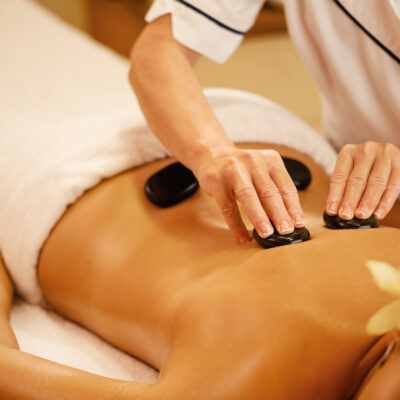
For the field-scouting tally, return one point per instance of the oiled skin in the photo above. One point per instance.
(220, 321)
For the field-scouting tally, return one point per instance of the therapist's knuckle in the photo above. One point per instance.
(230, 167)
(248, 154)
(252, 158)
(228, 211)
(338, 178)
(376, 181)
(244, 191)
(368, 149)
(288, 190)
(273, 156)
(388, 149)
(269, 192)
(347, 149)
(276, 157)
(357, 181)
(230, 162)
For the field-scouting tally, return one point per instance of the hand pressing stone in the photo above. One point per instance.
(334, 222)
(299, 235)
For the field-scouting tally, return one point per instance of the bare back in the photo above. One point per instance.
(171, 287)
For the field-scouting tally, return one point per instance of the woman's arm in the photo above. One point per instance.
(26, 377)
(177, 111)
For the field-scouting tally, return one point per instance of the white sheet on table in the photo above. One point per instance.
(48, 335)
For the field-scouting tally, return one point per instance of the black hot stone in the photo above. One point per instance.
(300, 174)
(171, 185)
(299, 235)
(334, 222)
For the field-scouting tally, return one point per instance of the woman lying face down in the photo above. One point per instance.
(219, 321)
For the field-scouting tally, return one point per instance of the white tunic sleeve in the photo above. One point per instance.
(213, 28)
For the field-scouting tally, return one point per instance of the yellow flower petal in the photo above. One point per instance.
(385, 319)
(385, 276)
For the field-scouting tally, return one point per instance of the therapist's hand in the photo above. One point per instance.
(257, 179)
(366, 181)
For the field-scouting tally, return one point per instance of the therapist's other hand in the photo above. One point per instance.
(257, 179)
(366, 181)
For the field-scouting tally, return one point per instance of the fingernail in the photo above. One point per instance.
(345, 213)
(243, 239)
(285, 227)
(299, 221)
(332, 208)
(362, 213)
(266, 230)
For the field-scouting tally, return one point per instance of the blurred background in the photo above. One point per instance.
(266, 63)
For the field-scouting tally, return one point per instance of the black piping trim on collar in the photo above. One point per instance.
(219, 23)
(369, 34)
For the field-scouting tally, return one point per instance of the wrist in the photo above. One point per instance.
(205, 154)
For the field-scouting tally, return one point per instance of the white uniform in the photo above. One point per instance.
(351, 48)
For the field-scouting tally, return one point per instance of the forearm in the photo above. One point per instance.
(171, 97)
(23, 376)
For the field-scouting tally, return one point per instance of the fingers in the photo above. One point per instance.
(366, 180)
(355, 186)
(338, 180)
(277, 192)
(377, 183)
(390, 195)
(279, 197)
(257, 179)
(245, 192)
(272, 202)
(289, 194)
(260, 182)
